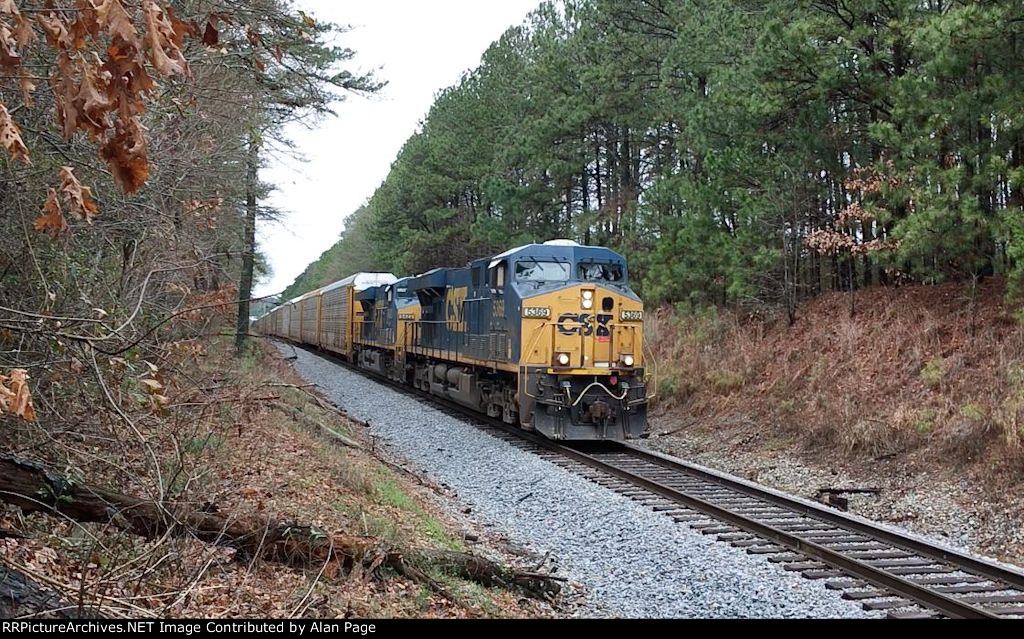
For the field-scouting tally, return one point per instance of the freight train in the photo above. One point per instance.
(546, 336)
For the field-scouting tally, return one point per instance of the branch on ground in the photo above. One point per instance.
(32, 487)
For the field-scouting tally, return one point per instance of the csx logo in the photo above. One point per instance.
(455, 309)
(580, 324)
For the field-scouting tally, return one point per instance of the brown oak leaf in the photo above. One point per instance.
(10, 137)
(86, 24)
(15, 397)
(127, 154)
(52, 220)
(55, 29)
(92, 101)
(78, 197)
(181, 28)
(132, 81)
(64, 91)
(111, 16)
(10, 59)
(28, 87)
(163, 41)
(210, 35)
(23, 32)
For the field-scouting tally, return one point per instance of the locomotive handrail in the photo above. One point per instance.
(522, 367)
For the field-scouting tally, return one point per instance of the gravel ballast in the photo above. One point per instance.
(632, 561)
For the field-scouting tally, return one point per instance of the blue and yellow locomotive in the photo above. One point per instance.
(548, 336)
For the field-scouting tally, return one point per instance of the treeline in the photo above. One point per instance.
(737, 151)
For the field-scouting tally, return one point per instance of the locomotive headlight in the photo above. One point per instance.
(627, 360)
(536, 312)
(588, 300)
(632, 316)
(562, 359)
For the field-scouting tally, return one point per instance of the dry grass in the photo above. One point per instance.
(906, 373)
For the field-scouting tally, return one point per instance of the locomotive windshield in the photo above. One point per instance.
(607, 272)
(537, 271)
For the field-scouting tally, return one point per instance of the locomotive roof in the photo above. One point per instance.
(434, 278)
(370, 294)
(575, 252)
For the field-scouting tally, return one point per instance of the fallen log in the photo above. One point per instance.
(21, 596)
(299, 416)
(32, 487)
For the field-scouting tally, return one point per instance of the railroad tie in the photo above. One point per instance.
(786, 558)
(913, 614)
(1007, 610)
(947, 580)
(683, 519)
(899, 562)
(1014, 598)
(801, 566)
(858, 595)
(856, 545)
(919, 570)
(870, 554)
(886, 604)
(717, 530)
(946, 590)
(845, 584)
(827, 573)
(736, 537)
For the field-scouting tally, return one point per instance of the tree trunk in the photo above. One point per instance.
(249, 250)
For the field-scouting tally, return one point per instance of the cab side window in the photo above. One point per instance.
(498, 275)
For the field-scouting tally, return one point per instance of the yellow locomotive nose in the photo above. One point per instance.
(587, 329)
(582, 362)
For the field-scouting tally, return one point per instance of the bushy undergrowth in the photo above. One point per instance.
(907, 372)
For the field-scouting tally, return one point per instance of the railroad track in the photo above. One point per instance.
(886, 570)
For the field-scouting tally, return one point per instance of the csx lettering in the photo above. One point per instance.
(581, 321)
(573, 324)
(455, 309)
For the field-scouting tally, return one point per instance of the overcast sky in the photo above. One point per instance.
(419, 47)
